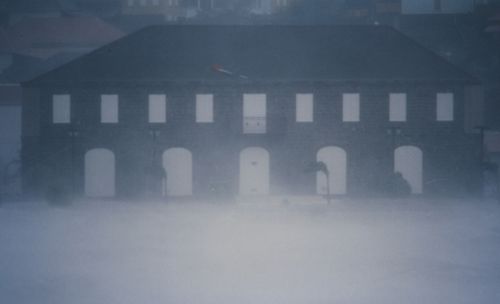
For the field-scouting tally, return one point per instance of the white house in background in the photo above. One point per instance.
(265, 7)
(172, 10)
(410, 7)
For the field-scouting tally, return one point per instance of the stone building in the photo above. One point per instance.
(245, 110)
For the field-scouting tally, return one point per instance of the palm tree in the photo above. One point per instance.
(319, 166)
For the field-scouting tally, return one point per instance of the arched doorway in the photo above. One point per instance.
(335, 160)
(178, 165)
(408, 160)
(254, 171)
(99, 173)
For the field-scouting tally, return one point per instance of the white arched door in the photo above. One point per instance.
(178, 165)
(99, 173)
(408, 161)
(254, 171)
(335, 160)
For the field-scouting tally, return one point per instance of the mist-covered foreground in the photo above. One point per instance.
(405, 251)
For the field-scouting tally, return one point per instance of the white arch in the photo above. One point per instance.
(99, 173)
(254, 171)
(335, 159)
(408, 160)
(178, 165)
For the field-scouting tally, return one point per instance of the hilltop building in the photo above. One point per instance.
(184, 111)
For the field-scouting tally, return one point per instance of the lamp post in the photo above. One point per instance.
(153, 176)
(481, 130)
(154, 132)
(482, 166)
(73, 133)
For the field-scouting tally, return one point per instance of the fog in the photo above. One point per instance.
(379, 130)
(371, 251)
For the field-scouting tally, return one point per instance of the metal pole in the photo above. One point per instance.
(73, 175)
(481, 159)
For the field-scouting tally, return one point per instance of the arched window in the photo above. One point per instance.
(408, 160)
(254, 171)
(178, 165)
(99, 173)
(335, 159)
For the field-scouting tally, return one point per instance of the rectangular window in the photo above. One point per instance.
(61, 109)
(304, 104)
(157, 108)
(397, 107)
(444, 107)
(204, 108)
(109, 108)
(350, 107)
(254, 113)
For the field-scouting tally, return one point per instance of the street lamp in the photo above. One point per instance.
(482, 164)
(73, 133)
(481, 130)
(156, 174)
(154, 132)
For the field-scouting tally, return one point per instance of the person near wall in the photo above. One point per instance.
(399, 186)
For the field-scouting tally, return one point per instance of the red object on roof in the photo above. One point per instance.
(41, 37)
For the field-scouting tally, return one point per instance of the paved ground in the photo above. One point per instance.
(408, 251)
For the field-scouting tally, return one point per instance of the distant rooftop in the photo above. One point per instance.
(43, 37)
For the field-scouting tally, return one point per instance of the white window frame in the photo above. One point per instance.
(398, 107)
(61, 109)
(109, 108)
(157, 108)
(254, 118)
(304, 107)
(204, 108)
(445, 106)
(351, 107)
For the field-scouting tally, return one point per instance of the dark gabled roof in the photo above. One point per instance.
(271, 52)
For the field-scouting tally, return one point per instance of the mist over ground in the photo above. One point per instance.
(371, 251)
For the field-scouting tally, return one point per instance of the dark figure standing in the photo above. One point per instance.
(399, 186)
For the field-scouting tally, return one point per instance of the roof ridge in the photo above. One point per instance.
(314, 52)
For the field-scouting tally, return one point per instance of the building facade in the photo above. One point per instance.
(200, 111)
(438, 6)
(175, 10)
